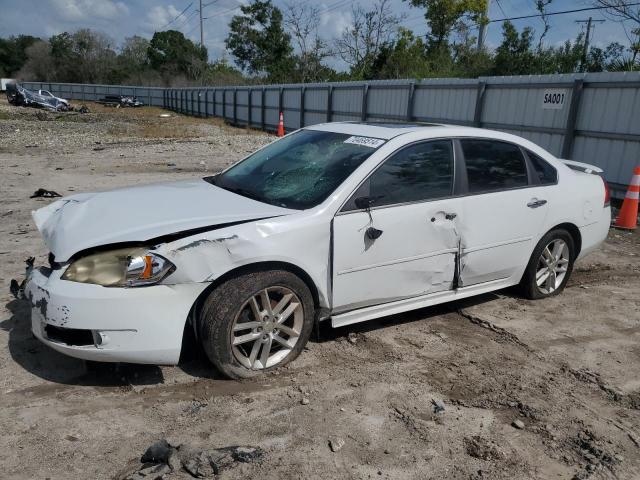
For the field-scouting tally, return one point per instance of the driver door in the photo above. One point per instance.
(405, 244)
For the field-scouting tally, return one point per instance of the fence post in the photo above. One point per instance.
(329, 103)
(199, 103)
(213, 102)
(412, 91)
(477, 114)
(303, 91)
(262, 123)
(235, 106)
(149, 95)
(224, 104)
(249, 92)
(572, 117)
(365, 95)
(280, 102)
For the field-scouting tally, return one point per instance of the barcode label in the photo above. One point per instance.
(365, 141)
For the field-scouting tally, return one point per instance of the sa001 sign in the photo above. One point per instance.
(554, 99)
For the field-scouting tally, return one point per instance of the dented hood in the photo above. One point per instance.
(137, 214)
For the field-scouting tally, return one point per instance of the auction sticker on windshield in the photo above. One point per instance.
(365, 141)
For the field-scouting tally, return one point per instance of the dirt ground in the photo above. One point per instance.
(568, 368)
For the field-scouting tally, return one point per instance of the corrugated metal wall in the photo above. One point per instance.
(597, 121)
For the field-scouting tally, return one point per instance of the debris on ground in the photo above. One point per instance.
(482, 448)
(438, 405)
(336, 444)
(162, 458)
(119, 101)
(42, 193)
(517, 423)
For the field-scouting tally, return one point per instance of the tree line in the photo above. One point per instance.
(273, 45)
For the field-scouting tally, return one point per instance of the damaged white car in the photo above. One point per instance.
(343, 222)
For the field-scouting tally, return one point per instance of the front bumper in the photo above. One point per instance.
(91, 322)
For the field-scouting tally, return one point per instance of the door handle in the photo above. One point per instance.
(373, 233)
(535, 203)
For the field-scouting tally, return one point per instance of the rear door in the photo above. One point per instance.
(502, 213)
(405, 244)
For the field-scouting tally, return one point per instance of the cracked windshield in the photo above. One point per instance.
(299, 171)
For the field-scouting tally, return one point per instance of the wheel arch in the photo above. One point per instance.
(253, 268)
(574, 231)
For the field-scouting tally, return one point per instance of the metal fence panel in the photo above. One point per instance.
(597, 121)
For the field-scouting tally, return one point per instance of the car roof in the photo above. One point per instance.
(388, 130)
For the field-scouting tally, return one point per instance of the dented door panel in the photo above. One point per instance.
(414, 255)
(498, 232)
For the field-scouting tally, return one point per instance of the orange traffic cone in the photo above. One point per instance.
(281, 126)
(628, 216)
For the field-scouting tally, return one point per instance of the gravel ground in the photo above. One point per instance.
(530, 390)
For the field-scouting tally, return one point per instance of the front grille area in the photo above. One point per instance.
(71, 336)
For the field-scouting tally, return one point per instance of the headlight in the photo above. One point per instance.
(126, 267)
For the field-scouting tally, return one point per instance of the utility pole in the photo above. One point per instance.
(587, 40)
(482, 32)
(201, 30)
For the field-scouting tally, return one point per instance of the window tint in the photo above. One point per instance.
(493, 165)
(419, 172)
(545, 172)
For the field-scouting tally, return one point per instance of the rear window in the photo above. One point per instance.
(544, 172)
(493, 165)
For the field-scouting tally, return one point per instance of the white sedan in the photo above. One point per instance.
(343, 222)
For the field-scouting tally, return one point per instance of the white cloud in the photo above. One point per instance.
(334, 22)
(85, 10)
(160, 15)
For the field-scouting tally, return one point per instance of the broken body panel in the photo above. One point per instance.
(422, 257)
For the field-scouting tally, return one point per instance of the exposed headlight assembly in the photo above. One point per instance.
(126, 267)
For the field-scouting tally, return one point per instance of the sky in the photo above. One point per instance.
(123, 18)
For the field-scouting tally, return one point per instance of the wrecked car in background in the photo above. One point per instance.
(20, 96)
(121, 101)
(339, 222)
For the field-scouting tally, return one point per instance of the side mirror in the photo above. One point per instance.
(365, 203)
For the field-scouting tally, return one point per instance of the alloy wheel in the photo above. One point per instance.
(552, 266)
(267, 327)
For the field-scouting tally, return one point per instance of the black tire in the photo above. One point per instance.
(219, 311)
(528, 285)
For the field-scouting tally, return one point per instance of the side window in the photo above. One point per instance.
(545, 172)
(420, 172)
(493, 165)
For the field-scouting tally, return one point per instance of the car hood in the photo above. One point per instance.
(137, 214)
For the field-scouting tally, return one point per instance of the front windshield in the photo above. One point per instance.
(301, 170)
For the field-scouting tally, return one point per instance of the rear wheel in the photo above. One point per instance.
(550, 265)
(256, 322)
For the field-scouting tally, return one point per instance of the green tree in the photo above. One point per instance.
(514, 55)
(258, 42)
(443, 16)
(172, 54)
(405, 57)
(13, 53)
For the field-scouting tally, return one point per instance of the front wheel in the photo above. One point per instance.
(550, 265)
(256, 322)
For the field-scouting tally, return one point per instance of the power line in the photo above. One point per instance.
(178, 16)
(560, 13)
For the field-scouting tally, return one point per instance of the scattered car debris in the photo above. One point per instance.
(438, 405)
(83, 109)
(17, 289)
(20, 96)
(165, 115)
(120, 101)
(42, 193)
(162, 458)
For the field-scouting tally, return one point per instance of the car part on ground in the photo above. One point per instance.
(119, 101)
(20, 96)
